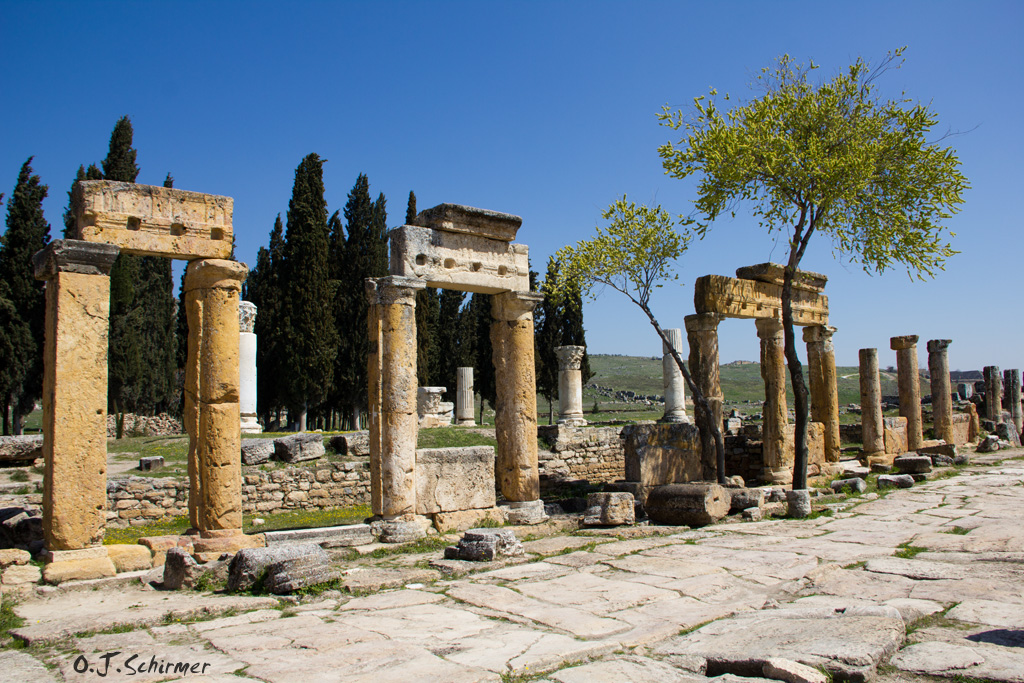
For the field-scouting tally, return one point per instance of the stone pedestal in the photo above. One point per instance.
(993, 393)
(776, 417)
(515, 419)
(872, 427)
(909, 382)
(702, 335)
(672, 379)
(570, 386)
(1011, 383)
(464, 409)
(75, 404)
(212, 413)
(247, 368)
(821, 366)
(431, 411)
(394, 424)
(942, 399)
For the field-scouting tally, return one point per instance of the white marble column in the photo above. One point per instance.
(570, 386)
(247, 368)
(464, 397)
(672, 377)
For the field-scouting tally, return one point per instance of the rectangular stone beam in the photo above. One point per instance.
(153, 221)
(735, 298)
(459, 260)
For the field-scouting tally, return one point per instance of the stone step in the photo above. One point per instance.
(326, 537)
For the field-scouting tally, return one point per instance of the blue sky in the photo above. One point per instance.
(543, 109)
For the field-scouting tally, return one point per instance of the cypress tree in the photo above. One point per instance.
(92, 173)
(449, 337)
(24, 301)
(548, 335)
(572, 326)
(312, 341)
(264, 290)
(410, 208)
(427, 309)
(483, 363)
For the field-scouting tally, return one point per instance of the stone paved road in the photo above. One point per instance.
(919, 583)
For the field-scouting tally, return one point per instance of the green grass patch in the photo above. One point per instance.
(453, 437)
(957, 531)
(18, 475)
(307, 519)
(428, 544)
(8, 620)
(907, 551)
(171, 526)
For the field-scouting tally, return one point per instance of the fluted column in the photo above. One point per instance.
(672, 379)
(774, 411)
(821, 366)
(247, 368)
(993, 393)
(702, 335)
(873, 436)
(464, 415)
(570, 385)
(909, 382)
(942, 399)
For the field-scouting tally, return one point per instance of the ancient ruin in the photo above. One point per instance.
(247, 368)
(570, 385)
(672, 379)
(909, 382)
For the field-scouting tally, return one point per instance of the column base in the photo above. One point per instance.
(525, 512)
(465, 423)
(72, 565)
(251, 425)
(401, 529)
(676, 419)
(213, 543)
(572, 422)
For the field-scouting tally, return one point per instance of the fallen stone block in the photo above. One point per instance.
(352, 443)
(288, 576)
(798, 503)
(151, 462)
(249, 564)
(448, 522)
(299, 447)
(962, 459)
(946, 449)
(892, 481)
(484, 545)
(791, 672)
(130, 557)
(744, 499)
(159, 545)
(940, 460)
(257, 451)
(913, 464)
(990, 444)
(853, 485)
(688, 504)
(1007, 432)
(21, 448)
(609, 509)
(180, 569)
(754, 514)
(326, 537)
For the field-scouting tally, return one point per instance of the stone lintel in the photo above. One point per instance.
(459, 260)
(773, 273)
(737, 298)
(937, 345)
(153, 221)
(818, 333)
(215, 274)
(511, 306)
(393, 289)
(74, 256)
(906, 341)
(468, 219)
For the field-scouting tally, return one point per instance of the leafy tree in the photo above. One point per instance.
(23, 299)
(311, 345)
(832, 157)
(634, 255)
(573, 333)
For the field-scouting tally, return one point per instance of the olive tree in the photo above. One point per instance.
(634, 255)
(833, 157)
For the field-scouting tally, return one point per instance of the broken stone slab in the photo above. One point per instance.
(257, 451)
(525, 512)
(922, 570)
(326, 537)
(352, 443)
(744, 498)
(854, 485)
(288, 576)
(151, 462)
(610, 509)
(755, 514)
(249, 564)
(400, 530)
(789, 671)
(688, 504)
(180, 569)
(962, 459)
(892, 481)
(484, 545)
(299, 447)
(21, 448)
(946, 449)
(913, 464)
(936, 658)
(1008, 432)
(990, 444)
(939, 460)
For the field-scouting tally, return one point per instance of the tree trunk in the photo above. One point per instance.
(796, 376)
(301, 419)
(7, 420)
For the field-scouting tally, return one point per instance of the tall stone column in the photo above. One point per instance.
(1011, 381)
(464, 415)
(672, 379)
(821, 366)
(515, 417)
(393, 300)
(570, 386)
(942, 399)
(374, 393)
(213, 416)
(247, 368)
(909, 382)
(872, 427)
(778, 467)
(75, 407)
(993, 393)
(702, 335)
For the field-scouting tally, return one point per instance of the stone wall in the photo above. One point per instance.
(591, 453)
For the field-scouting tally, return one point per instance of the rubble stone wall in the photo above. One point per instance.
(596, 454)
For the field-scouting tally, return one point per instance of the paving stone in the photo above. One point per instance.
(917, 569)
(21, 666)
(593, 593)
(990, 613)
(624, 668)
(791, 672)
(391, 599)
(379, 578)
(558, 544)
(936, 658)
(577, 559)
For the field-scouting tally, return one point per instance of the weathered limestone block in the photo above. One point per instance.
(744, 499)
(824, 394)
(774, 273)
(815, 451)
(180, 569)
(153, 221)
(17, 575)
(891, 481)
(248, 565)
(484, 545)
(130, 557)
(872, 427)
(257, 451)
(895, 435)
(352, 443)
(974, 423)
(798, 503)
(609, 509)
(24, 448)
(942, 400)
(688, 504)
(909, 382)
(153, 462)
(448, 522)
(456, 260)
(431, 410)
(1007, 432)
(662, 454)
(11, 556)
(290, 575)
(737, 298)
(702, 335)
(774, 411)
(299, 447)
(220, 467)
(855, 485)
(454, 479)
(470, 220)
(79, 564)
(570, 385)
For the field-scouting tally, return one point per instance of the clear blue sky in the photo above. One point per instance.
(543, 109)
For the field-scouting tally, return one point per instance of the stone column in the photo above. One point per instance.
(212, 412)
(570, 386)
(393, 301)
(702, 335)
(1011, 381)
(75, 407)
(247, 368)
(872, 427)
(374, 397)
(464, 415)
(515, 417)
(993, 393)
(821, 366)
(778, 465)
(942, 399)
(672, 379)
(909, 383)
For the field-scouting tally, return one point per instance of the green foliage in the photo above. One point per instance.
(8, 619)
(92, 173)
(484, 380)
(410, 208)
(428, 309)
(557, 322)
(907, 551)
(450, 336)
(452, 437)
(263, 289)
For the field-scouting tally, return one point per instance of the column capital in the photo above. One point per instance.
(818, 333)
(903, 342)
(246, 316)
(510, 306)
(702, 322)
(570, 357)
(938, 345)
(74, 256)
(393, 289)
(768, 328)
(215, 273)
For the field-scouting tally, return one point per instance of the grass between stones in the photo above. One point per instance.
(958, 531)
(907, 551)
(8, 621)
